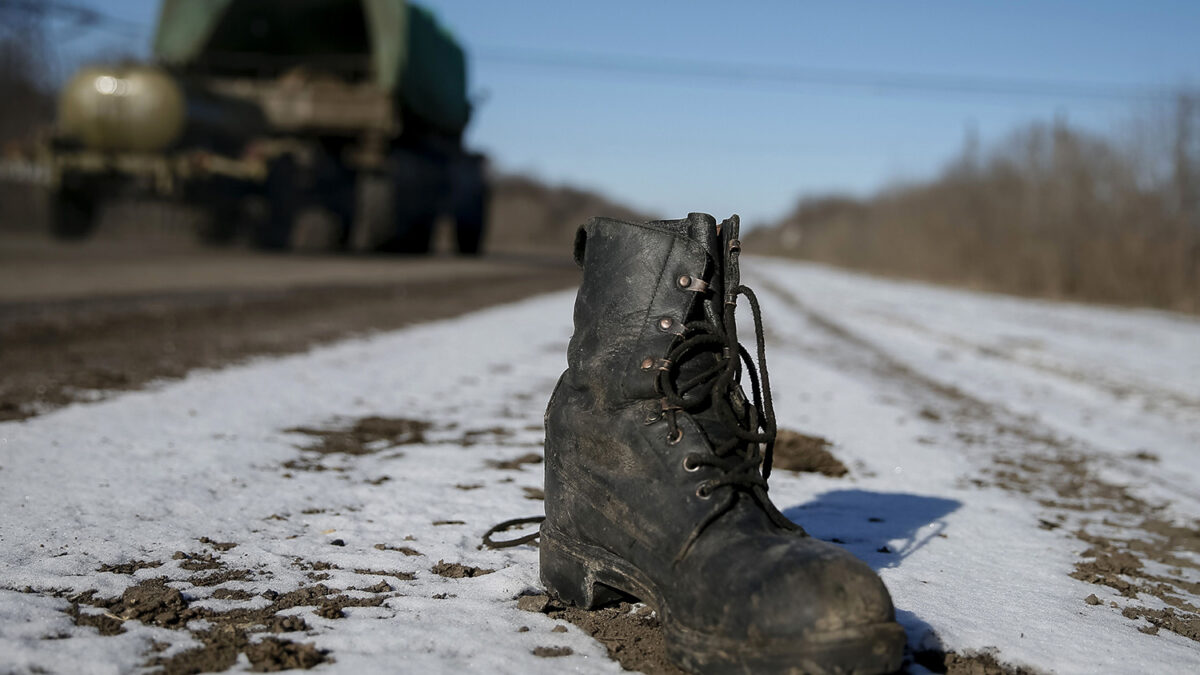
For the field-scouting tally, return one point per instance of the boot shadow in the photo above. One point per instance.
(880, 528)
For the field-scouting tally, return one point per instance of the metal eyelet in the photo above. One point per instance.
(704, 490)
(690, 465)
(688, 282)
(665, 323)
(647, 363)
(674, 438)
(653, 414)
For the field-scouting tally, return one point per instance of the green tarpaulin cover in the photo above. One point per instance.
(409, 52)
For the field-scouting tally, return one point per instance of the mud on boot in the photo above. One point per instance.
(657, 465)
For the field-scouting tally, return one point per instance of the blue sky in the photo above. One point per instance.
(671, 144)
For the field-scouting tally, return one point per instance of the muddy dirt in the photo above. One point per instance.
(632, 634)
(458, 570)
(795, 451)
(951, 663)
(129, 567)
(366, 436)
(70, 344)
(223, 635)
(516, 463)
(406, 550)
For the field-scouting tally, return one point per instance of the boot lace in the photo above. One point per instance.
(742, 461)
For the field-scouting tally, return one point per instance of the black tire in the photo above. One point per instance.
(221, 203)
(470, 221)
(374, 211)
(220, 223)
(419, 184)
(469, 196)
(274, 232)
(415, 238)
(73, 210)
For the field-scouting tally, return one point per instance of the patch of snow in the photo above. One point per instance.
(145, 474)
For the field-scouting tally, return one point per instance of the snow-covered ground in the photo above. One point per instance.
(991, 442)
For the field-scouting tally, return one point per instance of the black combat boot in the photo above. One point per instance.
(657, 466)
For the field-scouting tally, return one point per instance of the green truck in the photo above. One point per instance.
(280, 118)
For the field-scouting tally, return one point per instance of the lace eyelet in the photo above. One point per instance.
(674, 438)
(685, 280)
(690, 465)
(665, 323)
(704, 490)
(653, 414)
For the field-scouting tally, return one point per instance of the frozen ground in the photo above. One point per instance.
(1022, 474)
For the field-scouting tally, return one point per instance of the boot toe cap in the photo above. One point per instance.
(792, 589)
(818, 588)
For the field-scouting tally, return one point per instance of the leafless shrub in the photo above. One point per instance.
(529, 215)
(1051, 211)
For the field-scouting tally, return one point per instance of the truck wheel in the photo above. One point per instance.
(274, 233)
(222, 206)
(470, 222)
(219, 223)
(374, 211)
(470, 196)
(415, 237)
(418, 182)
(73, 212)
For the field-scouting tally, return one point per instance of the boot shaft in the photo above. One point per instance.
(641, 283)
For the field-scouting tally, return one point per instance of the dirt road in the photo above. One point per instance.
(1021, 474)
(113, 314)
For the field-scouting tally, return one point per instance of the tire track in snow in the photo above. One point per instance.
(1132, 546)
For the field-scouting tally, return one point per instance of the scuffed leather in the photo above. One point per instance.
(613, 481)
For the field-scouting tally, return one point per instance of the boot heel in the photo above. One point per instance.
(569, 578)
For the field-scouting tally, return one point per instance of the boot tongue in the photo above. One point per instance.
(713, 237)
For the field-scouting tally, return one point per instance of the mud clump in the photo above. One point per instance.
(220, 648)
(632, 634)
(219, 577)
(221, 546)
(218, 651)
(1187, 625)
(368, 435)
(272, 655)
(981, 663)
(151, 602)
(533, 603)
(795, 451)
(286, 624)
(154, 602)
(406, 550)
(516, 463)
(106, 623)
(195, 562)
(223, 634)
(231, 594)
(551, 652)
(458, 570)
(402, 576)
(130, 567)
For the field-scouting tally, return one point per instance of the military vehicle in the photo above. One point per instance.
(271, 115)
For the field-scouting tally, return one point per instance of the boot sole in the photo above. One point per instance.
(588, 576)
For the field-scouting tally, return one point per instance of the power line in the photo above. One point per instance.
(780, 74)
